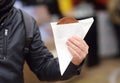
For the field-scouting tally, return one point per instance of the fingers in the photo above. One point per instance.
(78, 48)
(75, 50)
(78, 42)
(76, 58)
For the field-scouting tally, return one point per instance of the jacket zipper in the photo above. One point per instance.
(5, 44)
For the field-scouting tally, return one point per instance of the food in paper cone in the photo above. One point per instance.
(67, 20)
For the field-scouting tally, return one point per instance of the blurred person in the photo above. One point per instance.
(92, 38)
(114, 13)
(39, 59)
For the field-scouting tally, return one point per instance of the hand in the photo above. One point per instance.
(78, 48)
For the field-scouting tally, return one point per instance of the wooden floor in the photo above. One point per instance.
(98, 74)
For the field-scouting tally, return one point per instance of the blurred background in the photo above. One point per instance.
(103, 62)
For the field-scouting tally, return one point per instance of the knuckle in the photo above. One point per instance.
(87, 52)
(84, 56)
(87, 47)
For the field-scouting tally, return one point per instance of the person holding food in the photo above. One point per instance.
(39, 59)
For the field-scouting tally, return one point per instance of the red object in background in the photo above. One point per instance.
(101, 4)
(75, 2)
(104, 2)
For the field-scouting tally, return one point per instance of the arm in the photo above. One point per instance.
(43, 64)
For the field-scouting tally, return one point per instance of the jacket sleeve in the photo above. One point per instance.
(42, 63)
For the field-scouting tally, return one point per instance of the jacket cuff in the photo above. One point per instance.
(77, 68)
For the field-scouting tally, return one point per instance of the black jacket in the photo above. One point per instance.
(40, 60)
